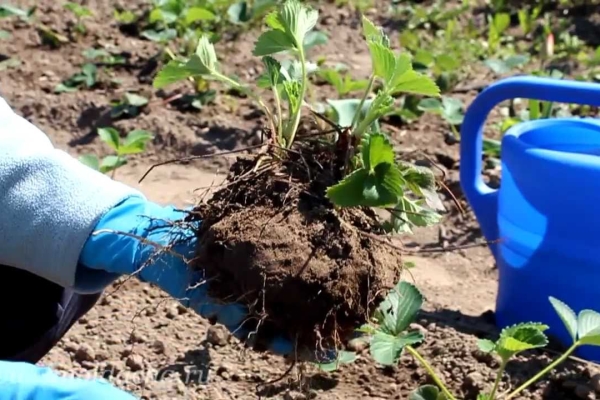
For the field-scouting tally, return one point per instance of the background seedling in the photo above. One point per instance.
(135, 142)
(81, 13)
(130, 105)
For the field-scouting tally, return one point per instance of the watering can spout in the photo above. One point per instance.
(483, 199)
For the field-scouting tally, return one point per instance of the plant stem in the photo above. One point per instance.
(543, 372)
(291, 129)
(431, 372)
(365, 123)
(362, 101)
(498, 379)
(114, 171)
(279, 115)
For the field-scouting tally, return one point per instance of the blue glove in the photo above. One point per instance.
(125, 242)
(24, 381)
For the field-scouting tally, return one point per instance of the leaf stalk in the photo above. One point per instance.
(431, 372)
(296, 114)
(362, 101)
(543, 372)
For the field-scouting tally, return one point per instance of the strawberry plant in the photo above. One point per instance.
(311, 187)
(389, 338)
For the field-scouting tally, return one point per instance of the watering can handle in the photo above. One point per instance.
(480, 196)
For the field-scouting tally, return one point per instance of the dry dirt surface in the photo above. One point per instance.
(146, 343)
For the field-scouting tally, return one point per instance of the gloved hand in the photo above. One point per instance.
(140, 237)
(51, 205)
(23, 381)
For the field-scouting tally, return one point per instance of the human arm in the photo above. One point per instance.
(78, 228)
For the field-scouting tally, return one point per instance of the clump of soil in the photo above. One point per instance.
(271, 240)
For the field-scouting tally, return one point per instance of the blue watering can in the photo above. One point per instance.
(545, 217)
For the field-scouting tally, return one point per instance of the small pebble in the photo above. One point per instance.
(137, 337)
(159, 347)
(216, 335)
(85, 352)
(358, 345)
(135, 362)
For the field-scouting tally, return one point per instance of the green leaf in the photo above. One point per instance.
(64, 88)
(432, 105)
(415, 83)
(110, 136)
(452, 110)
(344, 357)
(239, 13)
(135, 142)
(447, 62)
(91, 161)
(349, 192)
(373, 33)
(501, 22)
(135, 100)
(203, 62)
(517, 60)
(89, 72)
(272, 42)
(160, 36)
(273, 70)
(9, 11)
(376, 149)
(486, 345)
(567, 315)
(381, 105)
(345, 109)
(272, 20)
(195, 14)
(521, 337)
(110, 163)
(384, 61)
(412, 213)
(4, 35)
(9, 63)
(588, 327)
(126, 17)
(382, 188)
(426, 392)
(314, 38)
(206, 60)
(368, 329)
(385, 348)
(297, 20)
(79, 10)
(174, 71)
(291, 91)
(399, 309)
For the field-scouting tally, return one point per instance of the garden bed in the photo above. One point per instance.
(134, 335)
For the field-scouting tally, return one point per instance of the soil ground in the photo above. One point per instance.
(146, 343)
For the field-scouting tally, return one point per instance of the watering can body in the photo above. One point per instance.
(544, 220)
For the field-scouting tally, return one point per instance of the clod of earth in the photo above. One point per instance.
(272, 240)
